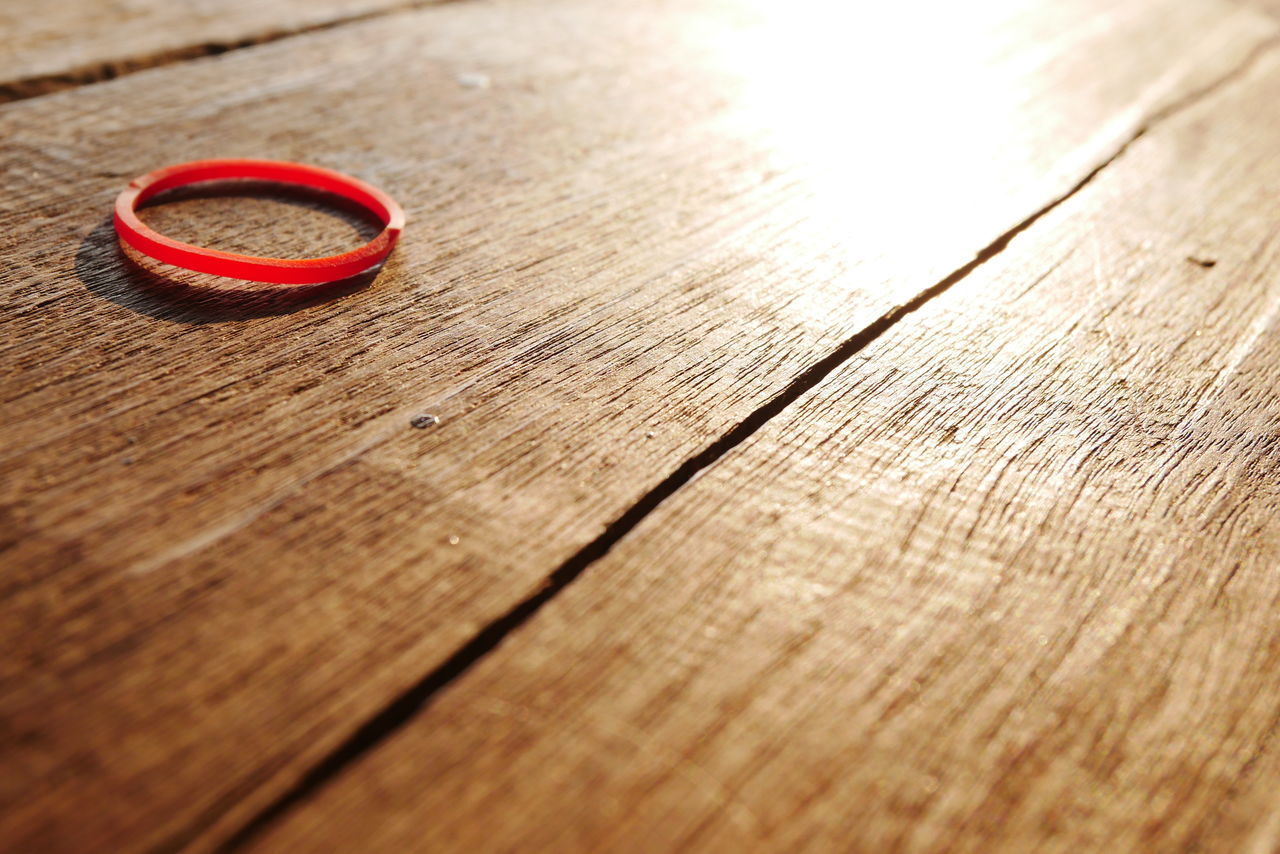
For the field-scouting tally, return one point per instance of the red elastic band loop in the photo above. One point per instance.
(285, 271)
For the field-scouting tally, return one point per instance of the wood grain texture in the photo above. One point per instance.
(1007, 581)
(59, 45)
(225, 547)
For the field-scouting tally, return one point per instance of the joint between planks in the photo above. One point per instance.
(37, 85)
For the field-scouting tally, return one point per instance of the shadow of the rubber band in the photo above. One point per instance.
(116, 273)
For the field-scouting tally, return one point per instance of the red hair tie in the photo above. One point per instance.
(285, 271)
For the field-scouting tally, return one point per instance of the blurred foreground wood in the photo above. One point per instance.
(841, 445)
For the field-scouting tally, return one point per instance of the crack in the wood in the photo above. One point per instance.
(36, 85)
(404, 708)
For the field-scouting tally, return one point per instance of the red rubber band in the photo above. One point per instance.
(285, 271)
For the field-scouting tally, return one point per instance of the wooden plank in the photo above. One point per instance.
(53, 46)
(1006, 581)
(226, 545)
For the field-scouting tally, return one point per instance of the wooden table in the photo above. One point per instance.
(857, 430)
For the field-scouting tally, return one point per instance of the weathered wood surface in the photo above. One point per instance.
(1006, 581)
(47, 46)
(225, 546)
